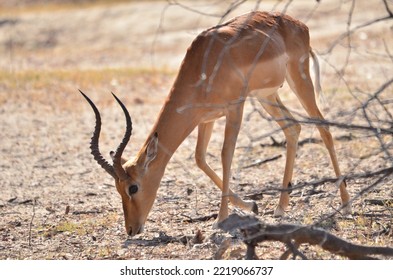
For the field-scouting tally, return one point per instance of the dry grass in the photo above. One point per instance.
(52, 6)
(59, 87)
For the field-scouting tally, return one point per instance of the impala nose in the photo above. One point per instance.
(137, 230)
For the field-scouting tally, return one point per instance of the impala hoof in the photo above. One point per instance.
(254, 208)
(279, 212)
(347, 209)
(216, 224)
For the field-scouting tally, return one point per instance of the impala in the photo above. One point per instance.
(250, 55)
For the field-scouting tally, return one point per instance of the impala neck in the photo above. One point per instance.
(172, 128)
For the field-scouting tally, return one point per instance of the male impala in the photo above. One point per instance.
(250, 55)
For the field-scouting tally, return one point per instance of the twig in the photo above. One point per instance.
(370, 127)
(82, 212)
(9, 213)
(262, 161)
(381, 202)
(201, 219)
(350, 31)
(385, 172)
(387, 8)
(31, 220)
(274, 143)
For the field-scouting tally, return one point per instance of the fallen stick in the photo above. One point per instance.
(262, 161)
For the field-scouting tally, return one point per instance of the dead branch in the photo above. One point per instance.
(309, 140)
(274, 143)
(201, 219)
(254, 232)
(87, 212)
(352, 127)
(380, 202)
(262, 161)
(384, 173)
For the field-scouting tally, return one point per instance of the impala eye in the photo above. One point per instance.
(132, 189)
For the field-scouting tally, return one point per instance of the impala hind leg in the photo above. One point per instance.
(204, 133)
(291, 129)
(302, 85)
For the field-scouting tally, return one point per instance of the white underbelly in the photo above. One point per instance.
(264, 92)
(213, 115)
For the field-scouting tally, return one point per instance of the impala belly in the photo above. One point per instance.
(268, 76)
(264, 92)
(213, 115)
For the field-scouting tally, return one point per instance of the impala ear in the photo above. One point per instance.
(122, 160)
(151, 150)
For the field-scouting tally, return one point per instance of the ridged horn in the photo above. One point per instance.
(94, 146)
(120, 172)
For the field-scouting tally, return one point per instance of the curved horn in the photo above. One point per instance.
(120, 172)
(95, 151)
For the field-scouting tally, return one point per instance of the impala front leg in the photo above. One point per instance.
(204, 133)
(232, 127)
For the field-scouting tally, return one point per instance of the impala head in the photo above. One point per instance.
(132, 179)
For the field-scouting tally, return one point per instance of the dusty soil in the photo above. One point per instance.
(55, 201)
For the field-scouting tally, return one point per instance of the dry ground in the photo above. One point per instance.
(56, 203)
